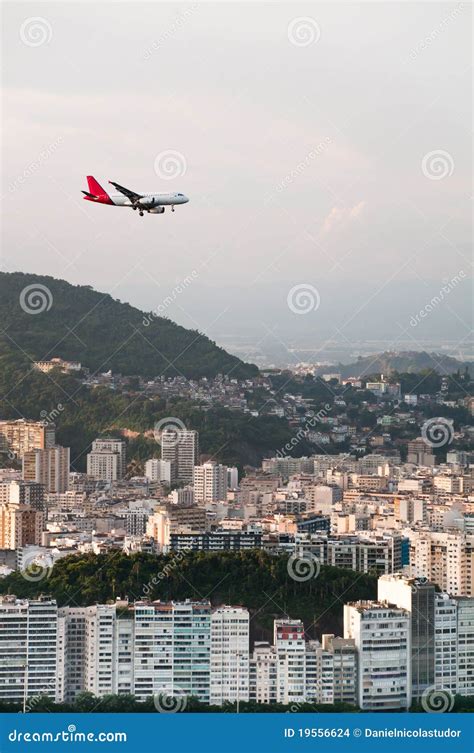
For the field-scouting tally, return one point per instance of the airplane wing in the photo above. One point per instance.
(126, 192)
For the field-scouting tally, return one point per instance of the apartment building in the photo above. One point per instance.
(382, 638)
(465, 637)
(57, 363)
(417, 596)
(263, 673)
(189, 649)
(22, 493)
(172, 649)
(445, 558)
(181, 449)
(210, 482)
(49, 467)
(160, 470)
(175, 521)
(446, 643)
(28, 648)
(290, 648)
(364, 553)
(229, 655)
(107, 460)
(20, 525)
(20, 436)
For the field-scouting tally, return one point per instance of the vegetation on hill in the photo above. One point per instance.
(410, 362)
(255, 579)
(78, 323)
(81, 414)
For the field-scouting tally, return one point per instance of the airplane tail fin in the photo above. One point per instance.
(94, 187)
(96, 192)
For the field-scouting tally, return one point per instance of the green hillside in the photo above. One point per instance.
(254, 579)
(412, 361)
(81, 414)
(79, 323)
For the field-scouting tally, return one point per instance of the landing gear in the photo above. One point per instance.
(172, 207)
(140, 213)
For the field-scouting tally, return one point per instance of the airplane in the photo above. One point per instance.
(153, 203)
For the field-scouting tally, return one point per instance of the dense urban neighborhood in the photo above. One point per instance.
(157, 561)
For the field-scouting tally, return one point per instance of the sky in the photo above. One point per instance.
(325, 149)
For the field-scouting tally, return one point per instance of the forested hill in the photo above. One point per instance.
(46, 317)
(255, 579)
(414, 362)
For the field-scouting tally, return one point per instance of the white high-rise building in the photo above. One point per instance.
(49, 467)
(446, 642)
(172, 649)
(444, 558)
(181, 448)
(319, 674)
(107, 461)
(331, 670)
(28, 648)
(381, 633)
(71, 652)
(210, 482)
(263, 673)
(232, 478)
(417, 596)
(95, 651)
(344, 668)
(184, 497)
(290, 649)
(99, 649)
(159, 470)
(465, 659)
(229, 655)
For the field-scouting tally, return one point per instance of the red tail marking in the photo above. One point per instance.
(100, 194)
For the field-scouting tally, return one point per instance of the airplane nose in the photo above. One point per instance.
(185, 199)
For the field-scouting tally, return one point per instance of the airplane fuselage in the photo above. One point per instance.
(152, 203)
(149, 200)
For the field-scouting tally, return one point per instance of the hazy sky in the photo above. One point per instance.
(321, 145)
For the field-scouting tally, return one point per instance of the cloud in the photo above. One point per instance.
(340, 216)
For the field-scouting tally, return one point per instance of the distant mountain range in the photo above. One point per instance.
(405, 362)
(46, 317)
